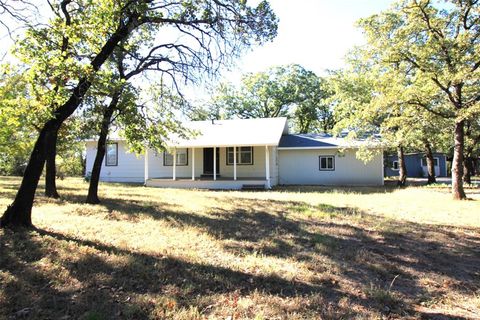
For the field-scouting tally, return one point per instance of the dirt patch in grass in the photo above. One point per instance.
(285, 254)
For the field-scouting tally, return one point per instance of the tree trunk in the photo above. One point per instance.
(50, 167)
(92, 196)
(402, 174)
(430, 164)
(19, 213)
(476, 169)
(468, 166)
(457, 163)
(84, 164)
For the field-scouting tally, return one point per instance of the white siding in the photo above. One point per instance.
(130, 168)
(302, 167)
(156, 169)
(286, 167)
(256, 170)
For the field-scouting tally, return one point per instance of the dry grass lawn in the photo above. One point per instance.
(291, 253)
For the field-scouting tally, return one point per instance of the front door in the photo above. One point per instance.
(208, 161)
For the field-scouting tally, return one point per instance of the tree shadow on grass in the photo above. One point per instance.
(404, 251)
(52, 275)
(363, 255)
(266, 227)
(371, 251)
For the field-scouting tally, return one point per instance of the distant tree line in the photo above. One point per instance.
(282, 91)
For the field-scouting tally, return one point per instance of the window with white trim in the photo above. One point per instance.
(435, 162)
(111, 154)
(182, 158)
(395, 165)
(326, 163)
(244, 156)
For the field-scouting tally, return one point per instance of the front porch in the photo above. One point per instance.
(211, 167)
(208, 183)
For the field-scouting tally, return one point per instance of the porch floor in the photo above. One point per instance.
(206, 182)
(210, 179)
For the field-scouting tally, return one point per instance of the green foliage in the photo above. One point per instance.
(55, 57)
(430, 54)
(49, 60)
(151, 123)
(312, 111)
(283, 91)
(15, 132)
(418, 75)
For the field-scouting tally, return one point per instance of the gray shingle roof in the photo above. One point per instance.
(308, 141)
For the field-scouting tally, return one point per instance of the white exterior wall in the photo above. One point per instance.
(130, 168)
(156, 169)
(286, 167)
(302, 167)
(203, 184)
(249, 171)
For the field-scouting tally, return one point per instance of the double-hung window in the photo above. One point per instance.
(111, 157)
(182, 158)
(327, 163)
(244, 155)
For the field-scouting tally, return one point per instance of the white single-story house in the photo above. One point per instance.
(241, 153)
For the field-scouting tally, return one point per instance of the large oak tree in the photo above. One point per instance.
(436, 44)
(212, 30)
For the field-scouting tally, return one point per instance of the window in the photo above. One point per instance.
(424, 162)
(111, 158)
(395, 165)
(327, 163)
(244, 156)
(182, 158)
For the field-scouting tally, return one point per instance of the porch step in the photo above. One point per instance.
(253, 187)
(209, 176)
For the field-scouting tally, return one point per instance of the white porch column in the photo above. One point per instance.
(235, 163)
(267, 166)
(146, 165)
(193, 163)
(214, 163)
(175, 164)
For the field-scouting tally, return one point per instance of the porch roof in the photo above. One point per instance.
(229, 133)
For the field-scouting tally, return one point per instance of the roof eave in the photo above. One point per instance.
(223, 145)
(325, 147)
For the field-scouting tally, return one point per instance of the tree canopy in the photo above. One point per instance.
(67, 55)
(281, 91)
(427, 54)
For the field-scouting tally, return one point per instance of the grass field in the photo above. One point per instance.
(290, 253)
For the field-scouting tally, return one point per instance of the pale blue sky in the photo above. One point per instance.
(313, 33)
